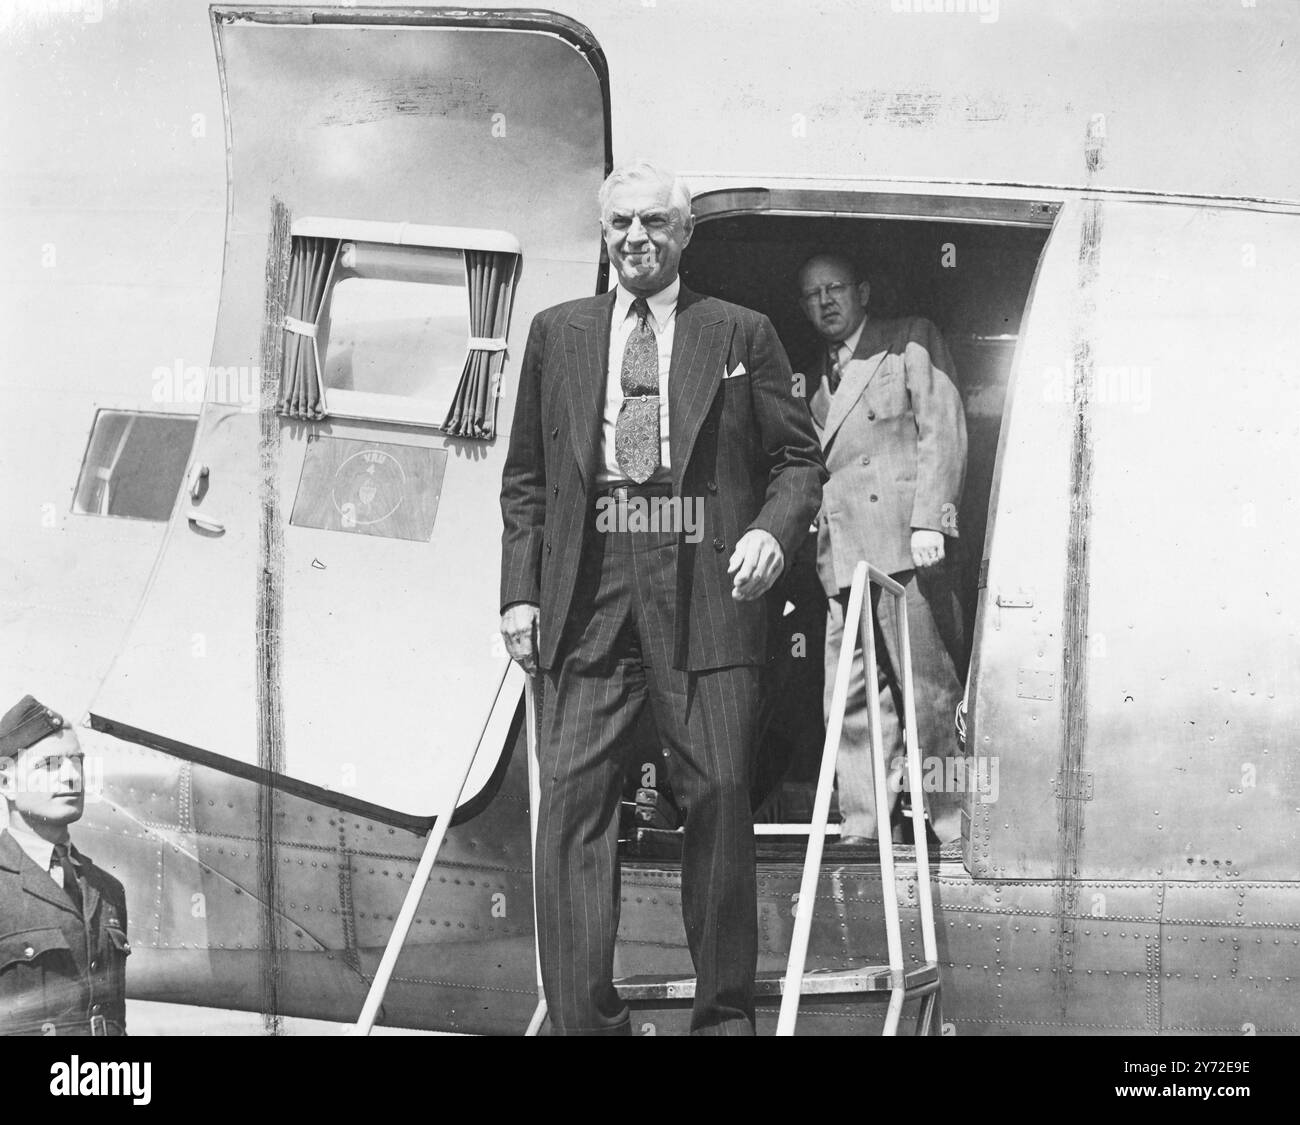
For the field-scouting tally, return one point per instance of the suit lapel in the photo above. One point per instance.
(700, 345)
(35, 882)
(860, 370)
(586, 346)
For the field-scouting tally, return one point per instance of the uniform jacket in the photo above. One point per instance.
(894, 436)
(58, 973)
(744, 446)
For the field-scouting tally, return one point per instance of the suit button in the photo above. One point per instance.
(719, 545)
(871, 415)
(548, 546)
(555, 432)
(874, 497)
(555, 490)
(94, 964)
(866, 460)
(712, 486)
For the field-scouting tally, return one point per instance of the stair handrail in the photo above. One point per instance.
(858, 619)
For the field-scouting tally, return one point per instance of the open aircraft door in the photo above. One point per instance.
(1134, 663)
(324, 608)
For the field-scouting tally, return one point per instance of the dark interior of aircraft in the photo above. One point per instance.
(972, 280)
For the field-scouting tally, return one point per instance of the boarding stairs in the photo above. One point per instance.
(894, 983)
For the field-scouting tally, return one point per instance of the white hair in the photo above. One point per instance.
(679, 192)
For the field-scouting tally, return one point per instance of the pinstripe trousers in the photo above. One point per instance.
(615, 658)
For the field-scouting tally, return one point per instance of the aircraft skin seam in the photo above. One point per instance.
(1112, 919)
(1074, 672)
(462, 986)
(1154, 1012)
(347, 906)
(185, 797)
(270, 609)
(157, 836)
(394, 857)
(71, 611)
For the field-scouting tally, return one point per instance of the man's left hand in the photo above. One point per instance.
(755, 564)
(927, 548)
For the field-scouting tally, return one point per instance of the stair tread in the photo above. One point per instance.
(864, 979)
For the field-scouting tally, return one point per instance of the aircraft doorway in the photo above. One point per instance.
(966, 265)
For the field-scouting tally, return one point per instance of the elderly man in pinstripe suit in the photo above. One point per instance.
(649, 391)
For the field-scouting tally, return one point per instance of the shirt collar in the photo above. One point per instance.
(662, 304)
(851, 341)
(38, 849)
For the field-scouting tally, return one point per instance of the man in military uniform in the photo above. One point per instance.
(63, 944)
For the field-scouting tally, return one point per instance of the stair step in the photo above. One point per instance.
(867, 979)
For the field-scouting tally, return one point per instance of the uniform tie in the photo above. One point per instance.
(636, 431)
(71, 880)
(833, 369)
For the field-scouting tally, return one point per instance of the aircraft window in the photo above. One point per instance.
(409, 330)
(134, 464)
(397, 337)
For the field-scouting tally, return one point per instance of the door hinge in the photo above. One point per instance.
(1035, 683)
(1073, 785)
(1021, 599)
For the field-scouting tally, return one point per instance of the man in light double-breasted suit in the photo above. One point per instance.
(893, 432)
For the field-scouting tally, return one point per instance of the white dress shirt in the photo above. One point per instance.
(847, 347)
(663, 320)
(39, 850)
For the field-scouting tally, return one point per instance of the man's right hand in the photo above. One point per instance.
(519, 629)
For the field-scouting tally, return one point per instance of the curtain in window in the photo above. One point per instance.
(300, 382)
(473, 409)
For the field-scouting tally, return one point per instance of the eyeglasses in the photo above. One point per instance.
(835, 292)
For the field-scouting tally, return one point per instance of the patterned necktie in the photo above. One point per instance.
(71, 883)
(833, 369)
(636, 432)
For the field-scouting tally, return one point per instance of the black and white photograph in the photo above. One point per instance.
(651, 518)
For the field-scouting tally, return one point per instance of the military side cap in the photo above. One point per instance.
(25, 724)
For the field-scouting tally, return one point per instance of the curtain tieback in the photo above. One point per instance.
(300, 327)
(487, 344)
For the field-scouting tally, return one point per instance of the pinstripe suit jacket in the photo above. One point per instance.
(894, 436)
(744, 446)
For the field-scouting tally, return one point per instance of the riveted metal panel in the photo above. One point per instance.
(1080, 957)
(154, 787)
(1030, 957)
(1193, 683)
(1034, 683)
(1171, 735)
(197, 898)
(1229, 957)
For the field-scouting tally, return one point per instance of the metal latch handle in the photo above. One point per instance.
(202, 521)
